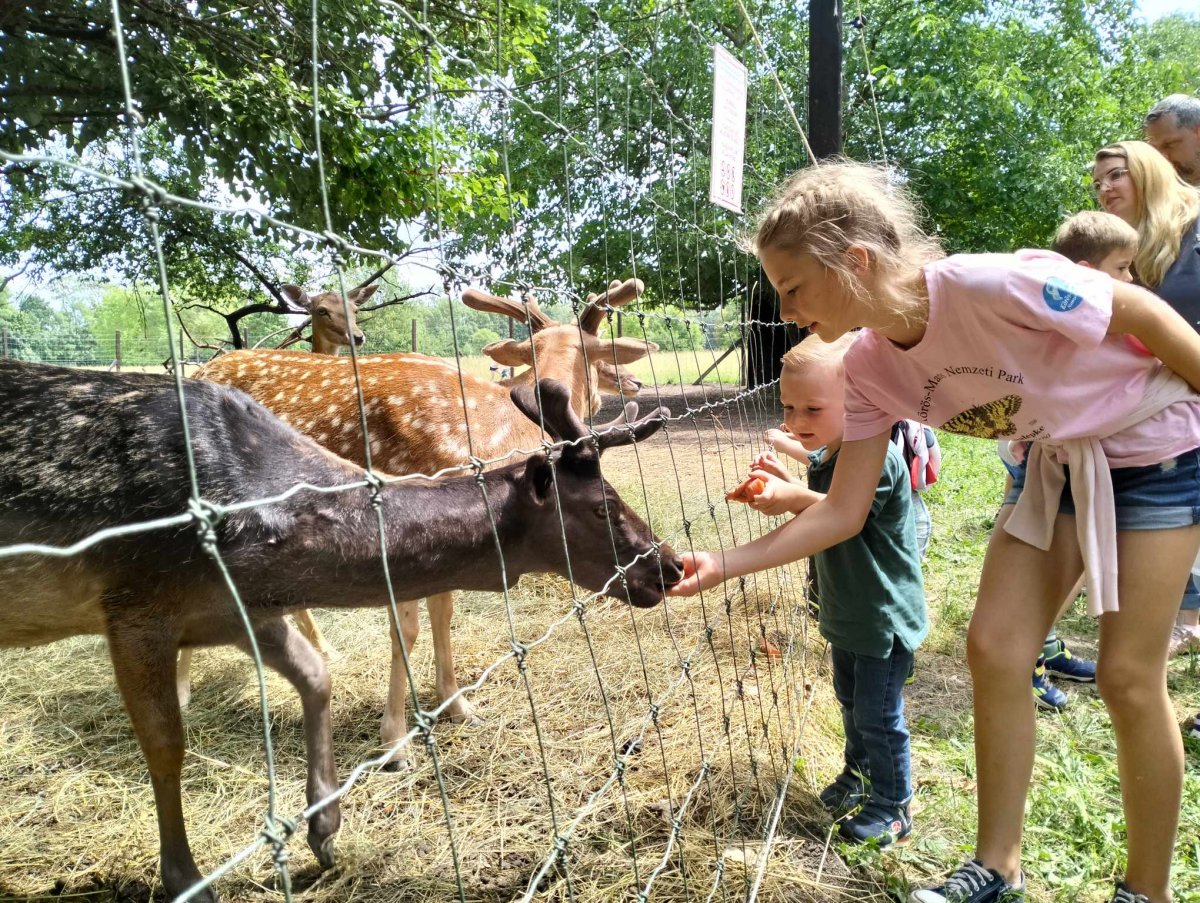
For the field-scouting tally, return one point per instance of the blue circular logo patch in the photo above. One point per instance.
(1058, 295)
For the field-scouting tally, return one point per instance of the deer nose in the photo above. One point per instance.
(637, 384)
(672, 565)
(359, 340)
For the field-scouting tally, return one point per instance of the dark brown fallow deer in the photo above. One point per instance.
(82, 451)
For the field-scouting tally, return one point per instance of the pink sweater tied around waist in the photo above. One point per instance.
(1032, 519)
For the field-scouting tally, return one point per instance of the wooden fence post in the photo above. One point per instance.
(414, 335)
(117, 349)
(4, 342)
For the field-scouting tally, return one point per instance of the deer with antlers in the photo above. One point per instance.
(420, 420)
(82, 453)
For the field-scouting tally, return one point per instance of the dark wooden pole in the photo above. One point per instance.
(825, 77)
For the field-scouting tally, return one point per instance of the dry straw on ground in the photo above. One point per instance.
(78, 818)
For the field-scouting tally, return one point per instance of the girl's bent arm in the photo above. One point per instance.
(1164, 332)
(835, 518)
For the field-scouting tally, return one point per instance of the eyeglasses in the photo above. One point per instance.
(1113, 178)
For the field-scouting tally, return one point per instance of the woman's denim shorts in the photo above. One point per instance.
(1159, 497)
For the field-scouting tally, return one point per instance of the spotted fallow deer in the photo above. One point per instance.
(82, 452)
(418, 424)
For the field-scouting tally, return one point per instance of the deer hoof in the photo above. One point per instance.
(464, 713)
(401, 763)
(323, 850)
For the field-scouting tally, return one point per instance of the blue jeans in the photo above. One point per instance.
(869, 691)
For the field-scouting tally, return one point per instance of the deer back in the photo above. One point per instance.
(414, 403)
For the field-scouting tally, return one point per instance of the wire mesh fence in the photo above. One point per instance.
(620, 754)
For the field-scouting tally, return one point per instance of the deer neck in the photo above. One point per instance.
(323, 345)
(438, 538)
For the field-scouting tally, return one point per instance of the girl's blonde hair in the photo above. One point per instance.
(1166, 206)
(825, 209)
(811, 351)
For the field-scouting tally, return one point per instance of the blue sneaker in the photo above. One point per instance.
(885, 825)
(971, 882)
(1125, 895)
(1045, 694)
(1064, 665)
(844, 795)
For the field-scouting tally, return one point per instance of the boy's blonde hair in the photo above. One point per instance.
(811, 351)
(1166, 206)
(1092, 235)
(825, 209)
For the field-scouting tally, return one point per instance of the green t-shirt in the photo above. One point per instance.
(869, 588)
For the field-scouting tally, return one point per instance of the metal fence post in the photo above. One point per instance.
(414, 335)
(117, 349)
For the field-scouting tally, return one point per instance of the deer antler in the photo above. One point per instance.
(494, 304)
(618, 294)
(562, 422)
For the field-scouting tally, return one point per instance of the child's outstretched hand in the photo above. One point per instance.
(701, 570)
(778, 495)
(774, 434)
(769, 463)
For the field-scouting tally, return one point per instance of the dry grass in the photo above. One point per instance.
(79, 819)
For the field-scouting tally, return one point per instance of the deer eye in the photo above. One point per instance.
(603, 512)
(323, 312)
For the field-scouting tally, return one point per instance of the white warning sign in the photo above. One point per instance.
(728, 130)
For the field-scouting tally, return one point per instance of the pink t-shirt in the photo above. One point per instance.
(1016, 348)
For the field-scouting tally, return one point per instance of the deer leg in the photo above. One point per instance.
(394, 723)
(144, 659)
(441, 610)
(312, 633)
(283, 649)
(183, 678)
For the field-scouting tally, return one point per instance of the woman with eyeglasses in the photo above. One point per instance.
(1134, 181)
(1137, 183)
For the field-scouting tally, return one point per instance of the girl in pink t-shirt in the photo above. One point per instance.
(1027, 347)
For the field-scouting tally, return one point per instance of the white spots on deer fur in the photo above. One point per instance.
(472, 404)
(321, 438)
(241, 370)
(349, 427)
(278, 396)
(325, 383)
(317, 396)
(331, 410)
(376, 447)
(396, 465)
(284, 417)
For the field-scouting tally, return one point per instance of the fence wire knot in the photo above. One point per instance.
(424, 721)
(206, 516)
(520, 651)
(278, 832)
(477, 465)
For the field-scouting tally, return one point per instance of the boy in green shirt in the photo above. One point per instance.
(872, 597)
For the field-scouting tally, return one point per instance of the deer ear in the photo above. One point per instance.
(540, 479)
(296, 295)
(621, 351)
(359, 295)
(510, 353)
